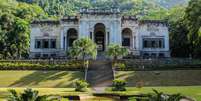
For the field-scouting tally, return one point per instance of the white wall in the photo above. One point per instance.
(38, 32)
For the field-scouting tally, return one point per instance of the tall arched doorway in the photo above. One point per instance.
(127, 39)
(99, 36)
(72, 35)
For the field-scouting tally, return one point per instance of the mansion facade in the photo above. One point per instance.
(146, 38)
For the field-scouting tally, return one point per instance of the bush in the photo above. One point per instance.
(120, 66)
(119, 85)
(41, 65)
(160, 96)
(81, 85)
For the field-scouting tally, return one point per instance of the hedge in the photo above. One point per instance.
(70, 65)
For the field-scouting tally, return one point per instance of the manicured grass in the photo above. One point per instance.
(191, 91)
(39, 79)
(161, 78)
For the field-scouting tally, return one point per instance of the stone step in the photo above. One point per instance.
(99, 81)
(101, 77)
(100, 74)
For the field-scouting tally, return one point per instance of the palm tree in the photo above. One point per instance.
(115, 51)
(83, 48)
(27, 95)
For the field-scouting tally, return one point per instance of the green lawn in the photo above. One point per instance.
(61, 82)
(39, 79)
(191, 91)
(161, 78)
(46, 82)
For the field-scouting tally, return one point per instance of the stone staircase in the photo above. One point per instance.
(100, 74)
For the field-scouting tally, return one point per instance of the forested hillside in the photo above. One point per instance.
(129, 7)
(183, 19)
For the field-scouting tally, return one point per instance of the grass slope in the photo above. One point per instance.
(39, 79)
(161, 78)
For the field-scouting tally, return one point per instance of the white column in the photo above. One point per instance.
(66, 30)
(105, 38)
(62, 41)
(167, 42)
(134, 39)
(108, 37)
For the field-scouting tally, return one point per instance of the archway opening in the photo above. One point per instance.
(72, 35)
(99, 36)
(127, 40)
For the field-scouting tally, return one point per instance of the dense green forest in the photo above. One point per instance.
(183, 17)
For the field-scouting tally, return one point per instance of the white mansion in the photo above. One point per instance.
(147, 38)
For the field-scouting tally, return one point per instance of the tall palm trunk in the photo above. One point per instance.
(114, 61)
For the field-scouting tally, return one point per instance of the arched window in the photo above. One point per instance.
(99, 36)
(72, 35)
(127, 39)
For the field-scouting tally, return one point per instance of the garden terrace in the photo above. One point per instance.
(160, 64)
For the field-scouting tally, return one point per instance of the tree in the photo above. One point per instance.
(192, 18)
(14, 27)
(84, 48)
(7, 5)
(21, 36)
(178, 32)
(14, 36)
(29, 12)
(116, 51)
(27, 95)
(6, 24)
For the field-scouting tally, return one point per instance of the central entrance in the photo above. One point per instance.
(99, 36)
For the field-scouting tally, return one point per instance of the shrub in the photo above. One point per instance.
(160, 96)
(120, 66)
(119, 85)
(19, 65)
(81, 85)
(28, 95)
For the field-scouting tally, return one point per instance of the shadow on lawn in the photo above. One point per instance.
(34, 79)
(162, 78)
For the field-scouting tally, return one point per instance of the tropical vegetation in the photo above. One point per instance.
(28, 95)
(159, 96)
(85, 49)
(81, 85)
(119, 85)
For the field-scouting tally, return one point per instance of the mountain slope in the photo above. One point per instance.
(171, 3)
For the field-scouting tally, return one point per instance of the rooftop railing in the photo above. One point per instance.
(99, 11)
